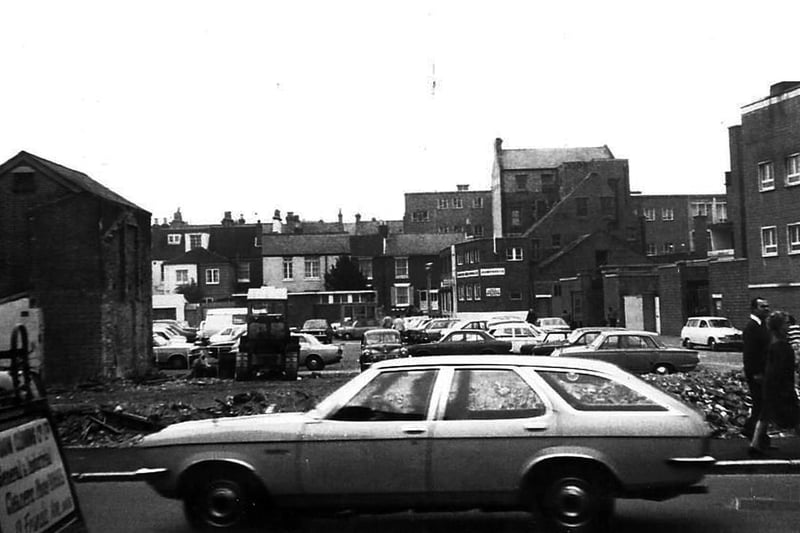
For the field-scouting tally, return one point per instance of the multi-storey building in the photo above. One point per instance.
(673, 231)
(764, 194)
(462, 211)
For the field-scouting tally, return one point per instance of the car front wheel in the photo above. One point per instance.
(220, 499)
(663, 368)
(314, 362)
(577, 501)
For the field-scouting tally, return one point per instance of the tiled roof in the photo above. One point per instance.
(273, 244)
(77, 181)
(198, 256)
(529, 158)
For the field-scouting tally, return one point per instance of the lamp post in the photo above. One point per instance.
(428, 267)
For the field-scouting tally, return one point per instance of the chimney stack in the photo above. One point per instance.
(227, 220)
(277, 225)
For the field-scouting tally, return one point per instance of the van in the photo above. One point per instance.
(219, 319)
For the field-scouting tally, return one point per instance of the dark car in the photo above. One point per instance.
(463, 341)
(559, 339)
(380, 345)
(355, 329)
(634, 351)
(320, 328)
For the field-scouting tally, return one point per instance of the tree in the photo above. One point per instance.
(345, 276)
(191, 291)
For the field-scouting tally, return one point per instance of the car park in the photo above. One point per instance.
(315, 355)
(380, 345)
(635, 351)
(517, 333)
(552, 323)
(463, 341)
(442, 433)
(716, 332)
(557, 339)
(175, 355)
(355, 329)
(320, 328)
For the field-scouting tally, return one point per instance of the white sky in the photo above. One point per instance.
(312, 107)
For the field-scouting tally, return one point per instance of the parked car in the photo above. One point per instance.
(557, 339)
(355, 329)
(635, 351)
(380, 345)
(431, 332)
(175, 355)
(463, 341)
(716, 332)
(517, 333)
(182, 328)
(552, 323)
(315, 355)
(223, 342)
(228, 334)
(442, 433)
(168, 332)
(320, 328)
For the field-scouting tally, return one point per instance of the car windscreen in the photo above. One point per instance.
(382, 338)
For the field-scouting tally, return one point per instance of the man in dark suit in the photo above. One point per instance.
(756, 341)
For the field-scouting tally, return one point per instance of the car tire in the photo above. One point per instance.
(663, 369)
(219, 499)
(177, 362)
(576, 499)
(712, 345)
(686, 343)
(347, 336)
(314, 362)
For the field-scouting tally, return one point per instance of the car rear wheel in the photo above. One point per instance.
(712, 345)
(663, 368)
(577, 500)
(220, 499)
(177, 362)
(314, 362)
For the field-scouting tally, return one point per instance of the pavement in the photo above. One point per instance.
(732, 456)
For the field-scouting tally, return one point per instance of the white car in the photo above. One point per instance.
(228, 334)
(314, 354)
(517, 333)
(715, 332)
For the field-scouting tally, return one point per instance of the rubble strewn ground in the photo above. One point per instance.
(118, 413)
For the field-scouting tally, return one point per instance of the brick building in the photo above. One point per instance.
(462, 211)
(81, 252)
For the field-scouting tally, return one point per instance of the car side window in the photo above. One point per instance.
(588, 392)
(703, 324)
(611, 343)
(455, 337)
(398, 395)
(632, 341)
(491, 394)
(472, 337)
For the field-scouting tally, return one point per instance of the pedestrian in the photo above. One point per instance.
(399, 324)
(612, 317)
(794, 335)
(756, 339)
(779, 403)
(530, 318)
(387, 322)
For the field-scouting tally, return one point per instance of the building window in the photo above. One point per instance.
(477, 202)
(477, 292)
(535, 249)
(457, 203)
(365, 266)
(514, 253)
(174, 238)
(651, 248)
(769, 241)
(402, 295)
(401, 267)
(420, 216)
(212, 276)
(195, 241)
(477, 230)
(515, 295)
(667, 213)
(470, 292)
(766, 177)
(288, 268)
(459, 258)
(649, 213)
(444, 229)
(582, 207)
(556, 240)
(515, 218)
(607, 205)
(257, 242)
(461, 293)
(793, 238)
(522, 182)
(793, 169)
(311, 267)
(243, 272)
(668, 248)
(443, 203)
(181, 277)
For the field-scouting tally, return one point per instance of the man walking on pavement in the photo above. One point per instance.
(756, 339)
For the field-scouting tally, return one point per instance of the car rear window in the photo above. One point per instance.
(589, 392)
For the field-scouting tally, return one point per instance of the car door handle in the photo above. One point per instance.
(536, 426)
(413, 430)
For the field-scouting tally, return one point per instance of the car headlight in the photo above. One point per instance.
(404, 352)
(367, 353)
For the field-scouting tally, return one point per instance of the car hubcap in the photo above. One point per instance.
(223, 504)
(571, 503)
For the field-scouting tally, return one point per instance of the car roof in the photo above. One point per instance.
(631, 332)
(502, 360)
(707, 318)
(380, 331)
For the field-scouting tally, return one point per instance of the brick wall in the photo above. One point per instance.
(671, 299)
(728, 279)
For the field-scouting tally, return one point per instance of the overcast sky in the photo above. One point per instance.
(314, 107)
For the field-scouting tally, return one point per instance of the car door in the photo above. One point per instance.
(375, 447)
(492, 420)
(639, 352)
